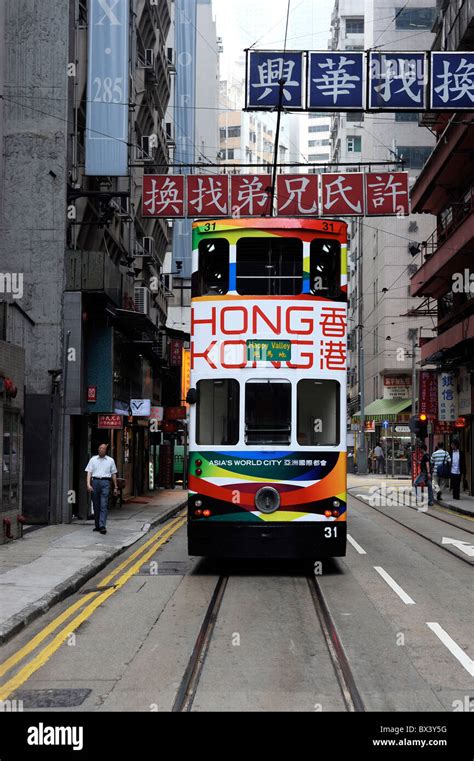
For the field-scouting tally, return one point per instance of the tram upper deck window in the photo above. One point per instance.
(318, 407)
(217, 411)
(325, 268)
(269, 266)
(267, 412)
(212, 277)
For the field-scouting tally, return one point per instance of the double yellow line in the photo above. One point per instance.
(94, 600)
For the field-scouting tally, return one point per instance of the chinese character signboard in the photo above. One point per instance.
(163, 195)
(452, 81)
(208, 195)
(429, 393)
(387, 193)
(109, 421)
(297, 195)
(342, 194)
(106, 136)
(465, 393)
(397, 81)
(266, 70)
(397, 387)
(447, 397)
(250, 195)
(91, 394)
(175, 351)
(335, 81)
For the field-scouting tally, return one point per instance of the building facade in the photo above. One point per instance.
(384, 325)
(94, 307)
(445, 190)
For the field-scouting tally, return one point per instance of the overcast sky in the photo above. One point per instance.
(241, 23)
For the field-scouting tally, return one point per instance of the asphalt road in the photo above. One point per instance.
(402, 605)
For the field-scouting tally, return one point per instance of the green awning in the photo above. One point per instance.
(385, 409)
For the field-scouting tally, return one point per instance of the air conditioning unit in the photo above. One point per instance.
(121, 206)
(148, 244)
(142, 299)
(145, 150)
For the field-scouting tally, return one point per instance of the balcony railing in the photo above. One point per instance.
(458, 213)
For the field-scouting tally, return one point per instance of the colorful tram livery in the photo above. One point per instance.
(267, 465)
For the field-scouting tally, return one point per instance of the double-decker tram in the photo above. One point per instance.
(267, 447)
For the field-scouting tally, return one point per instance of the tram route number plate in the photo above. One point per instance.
(267, 350)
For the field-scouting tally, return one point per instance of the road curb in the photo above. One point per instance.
(34, 610)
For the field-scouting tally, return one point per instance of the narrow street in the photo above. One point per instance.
(402, 608)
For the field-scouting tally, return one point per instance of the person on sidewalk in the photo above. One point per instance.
(440, 461)
(101, 470)
(379, 458)
(458, 468)
(424, 476)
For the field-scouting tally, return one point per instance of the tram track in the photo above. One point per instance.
(190, 682)
(414, 531)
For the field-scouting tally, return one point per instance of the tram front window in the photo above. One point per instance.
(318, 413)
(217, 412)
(269, 266)
(267, 412)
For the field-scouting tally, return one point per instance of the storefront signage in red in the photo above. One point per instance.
(175, 352)
(175, 413)
(110, 421)
(91, 394)
(429, 393)
(249, 195)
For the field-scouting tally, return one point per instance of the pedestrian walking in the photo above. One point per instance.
(424, 476)
(441, 469)
(379, 458)
(458, 468)
(101, 470)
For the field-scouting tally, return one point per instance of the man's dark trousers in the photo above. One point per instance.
(456, 485)
(100, 500)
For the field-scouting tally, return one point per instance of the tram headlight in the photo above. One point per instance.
(198, 472)
(206, 513)
(267, 499)
(336, 503)
(198, 503)
(198, 513)
(198, 463)
(328, 513)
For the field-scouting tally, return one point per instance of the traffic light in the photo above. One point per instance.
(419, 425)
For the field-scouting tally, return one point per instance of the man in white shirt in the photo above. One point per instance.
(101, 470)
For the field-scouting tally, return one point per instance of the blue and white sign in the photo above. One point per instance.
(140, 407)
(107, 88)
(452, 81)
(336, 81)
(265, 71)
(397, 81)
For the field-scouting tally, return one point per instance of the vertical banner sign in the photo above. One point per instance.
(387, 193)
(208, 195)
(429, 393)
(163, 195)
(452, 81)
(250, 195)
(447, 397)
(107, 88)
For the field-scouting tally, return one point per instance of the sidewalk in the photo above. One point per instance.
(463, 506)
(52, 562)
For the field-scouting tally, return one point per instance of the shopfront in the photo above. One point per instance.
(387, 421)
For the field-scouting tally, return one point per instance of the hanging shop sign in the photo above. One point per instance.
(140, 407)
(396, 387)
(330, 194)
(429, 393)
(106, 138)
(359, 80)
(109, 421)
(91, 394)
(447, 397)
